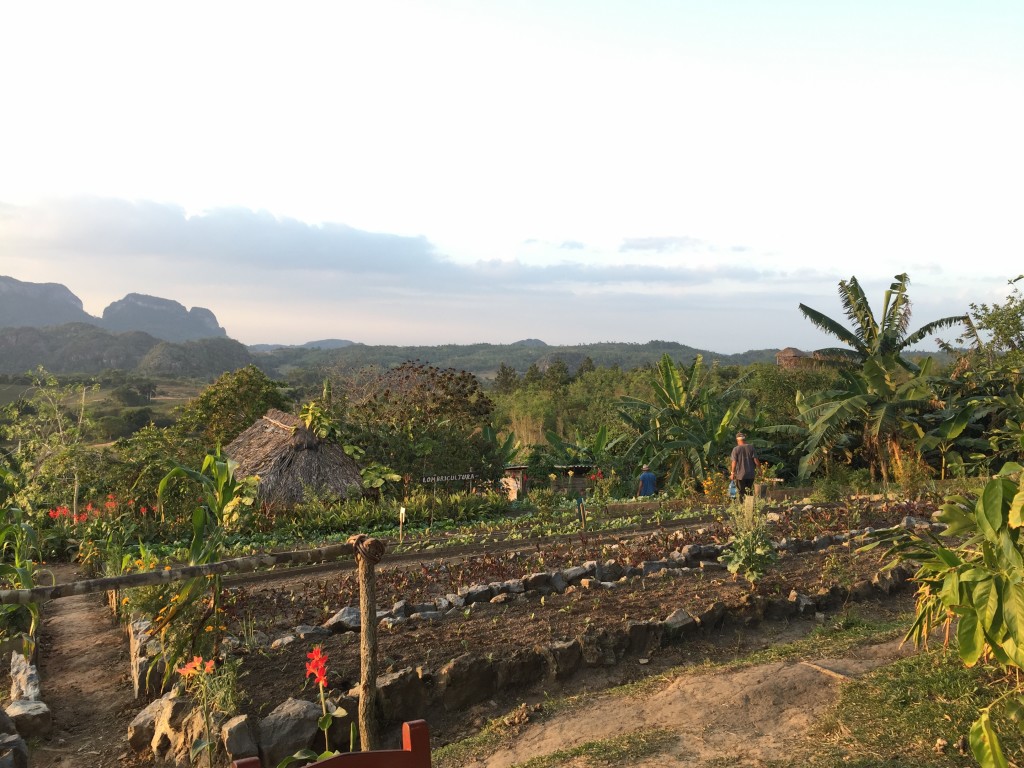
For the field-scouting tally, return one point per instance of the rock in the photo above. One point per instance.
(345, 620)
(13, 751)
(538, 582)
(779, 608)
(307, 632)
(575, 574)
(691, 553)
(523, 667)
(24, 678)
(861, 590)
(143, 726)
(597, 649)
(281, 642)
(713, 617)
(558, 581)
(479, 593)
(884, 582)
(498, 588)
(401, 696)
(504, 597)
(442, 605)
(590, 584)
(289, 728)
(401, 608)
(424, 617)
(678, 624)
(593, 568)
(32, 719)
(6, 724)
(650, 567)
(168, 726)
(238, 738)
(773, 517)
(821, 542)
(345, 711)
(611, 571)
(464, 681)
(563, 658)
(643, 636)
(455, 600)
(804, 605)
(422, 608)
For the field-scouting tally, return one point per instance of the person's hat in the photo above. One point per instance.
(740, 436)
(647, 466)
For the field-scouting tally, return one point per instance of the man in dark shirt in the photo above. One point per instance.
(743, 466)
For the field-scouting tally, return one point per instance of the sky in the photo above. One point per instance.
(461, 171)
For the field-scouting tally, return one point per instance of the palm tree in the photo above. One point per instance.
(869, 338)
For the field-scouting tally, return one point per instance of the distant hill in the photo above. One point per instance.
(321, 344)
(484, 359)
(39, 305)
(84, 348)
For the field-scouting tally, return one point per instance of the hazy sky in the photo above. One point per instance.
(575, 171)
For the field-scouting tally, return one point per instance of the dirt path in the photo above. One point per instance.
(748, 717)
(83, 668)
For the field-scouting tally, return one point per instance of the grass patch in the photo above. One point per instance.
(835, 638)
(895, 715)
(620, 750)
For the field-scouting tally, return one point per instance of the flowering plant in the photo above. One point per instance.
(316, 668)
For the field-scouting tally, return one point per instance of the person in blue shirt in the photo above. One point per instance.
(648, 484)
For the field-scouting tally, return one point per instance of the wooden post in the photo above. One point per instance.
(368, 553)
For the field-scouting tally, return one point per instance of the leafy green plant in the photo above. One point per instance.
(19, 548)
(215, 690)
(980, 582)
(751, 552)
(191, 618)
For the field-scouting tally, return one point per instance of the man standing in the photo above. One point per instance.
(648, 484)
(744, 466)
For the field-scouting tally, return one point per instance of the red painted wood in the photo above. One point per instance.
(415, 753)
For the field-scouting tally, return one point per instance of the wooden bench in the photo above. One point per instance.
(415, 753)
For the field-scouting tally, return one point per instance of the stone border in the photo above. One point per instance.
(170, 723)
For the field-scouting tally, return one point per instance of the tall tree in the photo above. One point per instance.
(231, 404)
(884, 339)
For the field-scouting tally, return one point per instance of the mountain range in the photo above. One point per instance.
(45, 324)
(38, 305)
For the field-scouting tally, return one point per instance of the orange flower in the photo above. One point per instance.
(317, 666)
(191, 668)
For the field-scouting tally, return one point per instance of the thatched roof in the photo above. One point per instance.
(289, 458)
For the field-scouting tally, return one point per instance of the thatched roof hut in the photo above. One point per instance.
(289, 458)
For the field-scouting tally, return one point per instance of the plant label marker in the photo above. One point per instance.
(401, 522)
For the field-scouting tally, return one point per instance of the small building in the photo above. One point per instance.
(288, 459)
(791, 357)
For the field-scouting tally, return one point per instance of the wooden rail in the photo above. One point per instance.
(168, 575)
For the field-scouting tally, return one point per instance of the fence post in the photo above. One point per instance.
(368, 553)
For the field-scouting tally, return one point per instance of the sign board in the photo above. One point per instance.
(447, 478)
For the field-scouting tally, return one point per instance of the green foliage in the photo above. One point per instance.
(230, 405)
(750, 553)
(981, 582)
(688, 426)
(47, 433)
(19, 551)
(190, 621)
(883, 339)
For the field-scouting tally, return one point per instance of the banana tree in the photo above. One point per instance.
(883, 340)
(580, 451)
(688, 426)
(874, 405)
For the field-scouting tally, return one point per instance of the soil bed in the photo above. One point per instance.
(500, 630)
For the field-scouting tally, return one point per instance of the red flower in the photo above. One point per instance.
(317, 666)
